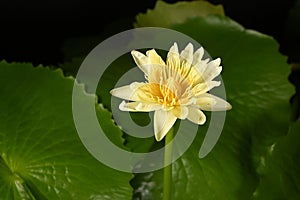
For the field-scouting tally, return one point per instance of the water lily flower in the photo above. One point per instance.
(177, 89)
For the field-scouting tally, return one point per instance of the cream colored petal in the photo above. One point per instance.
(173, 86)
(202, 88)
(212, 84)
(136, 85)
(174, 48)
(142, 61)
(156, 66)
(201, 66)
(196, 115)
(180, 112)
(187, 53)
(210, 102)
(125, 92)
(212, 70)
(216, 62)
(163, 122)
(173, 59)
(154, 58)
(198, 55)
(155, 75)
(138, 106)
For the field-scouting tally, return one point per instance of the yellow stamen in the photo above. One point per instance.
(158, 93)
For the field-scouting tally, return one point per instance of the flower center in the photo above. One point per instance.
(159, 93)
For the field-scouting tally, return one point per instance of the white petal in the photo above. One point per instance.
(155, 75)
(210, 102)
(201, 66)
(163, 122)
(187, 53)
(173, 58)
(174, 48)
(154, 58)
(212, 84)
(180, 112)
(202, 88)
(212, 70)
(125, 92)
(216, 62)
(138, 106)
(172, 85)
(156, 66)
(136, 85)
(196, 115)
(142, 61)
(198, 56)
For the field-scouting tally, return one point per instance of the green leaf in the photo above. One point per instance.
(107, 82)
(166, 15)
(255, 77)
(280, 170)
(41, 155)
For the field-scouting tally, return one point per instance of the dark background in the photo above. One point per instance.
(34, 31)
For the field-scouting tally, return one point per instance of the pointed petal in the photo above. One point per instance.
(198, 56)
(180, 112)
(173, 56)
(156, 66)
(201, 66)
(173, 64)
(187, 53)
(142, 61)
(155, 75)
(212, 84)
(154, 58)
(209, 102)
(173, 86)
(163, 122)
(174, 48)
(125, 92)
(212, 70)
(196, 115)
(216, 62)
(138, 106)
(136, 85)
(202, 88)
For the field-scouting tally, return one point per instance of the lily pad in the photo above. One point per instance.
(280, 171)
(41, 155)
(166, 15)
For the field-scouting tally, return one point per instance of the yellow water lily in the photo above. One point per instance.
(175, 89)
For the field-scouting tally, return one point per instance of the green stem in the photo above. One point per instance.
(168, 169)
